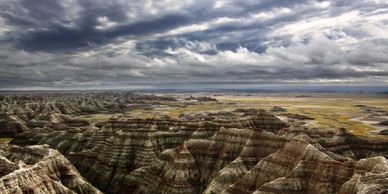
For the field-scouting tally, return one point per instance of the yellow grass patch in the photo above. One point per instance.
(329, 112)
(5, 140)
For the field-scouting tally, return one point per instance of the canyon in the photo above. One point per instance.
(119, 143)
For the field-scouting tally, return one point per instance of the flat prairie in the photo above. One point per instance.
(360, 113)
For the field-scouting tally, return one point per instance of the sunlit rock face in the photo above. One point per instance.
(299, 167)
(219, 153)
(224, 163)
(106, 155)
(341, 142)
(39, 170)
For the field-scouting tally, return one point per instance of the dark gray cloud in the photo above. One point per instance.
(119, 43)
(64, 38)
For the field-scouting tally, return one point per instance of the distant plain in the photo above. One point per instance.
(358, 112)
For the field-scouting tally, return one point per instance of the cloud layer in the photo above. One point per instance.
(124, 44)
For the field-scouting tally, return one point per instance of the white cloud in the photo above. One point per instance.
(105, 23)
(231, 41)
(316, 24)
(3, 28)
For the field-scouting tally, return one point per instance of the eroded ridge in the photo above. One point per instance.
(254, 153)
(39, 169)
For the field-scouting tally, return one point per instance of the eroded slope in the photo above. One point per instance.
(39, 170)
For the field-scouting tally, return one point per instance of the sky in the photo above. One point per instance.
(125, 44)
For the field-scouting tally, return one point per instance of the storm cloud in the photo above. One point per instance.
(139, 44)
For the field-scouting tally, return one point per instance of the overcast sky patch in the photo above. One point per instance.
(96, 43)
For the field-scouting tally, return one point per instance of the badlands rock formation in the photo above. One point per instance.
(253, 154)
(245, 151)
(341, 142)
(39, 170)
(105, 156)
(245, 161)
(19, 113)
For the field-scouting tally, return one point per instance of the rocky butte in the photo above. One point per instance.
(241, 151)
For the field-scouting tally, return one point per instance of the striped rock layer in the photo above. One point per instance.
(20, 112)
(253, 154)
(40, 170)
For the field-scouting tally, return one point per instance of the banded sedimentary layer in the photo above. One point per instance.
(242, 151)
(39, 170)
(105, 156)
(341, 142)
(19, 113)
(213, 156)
